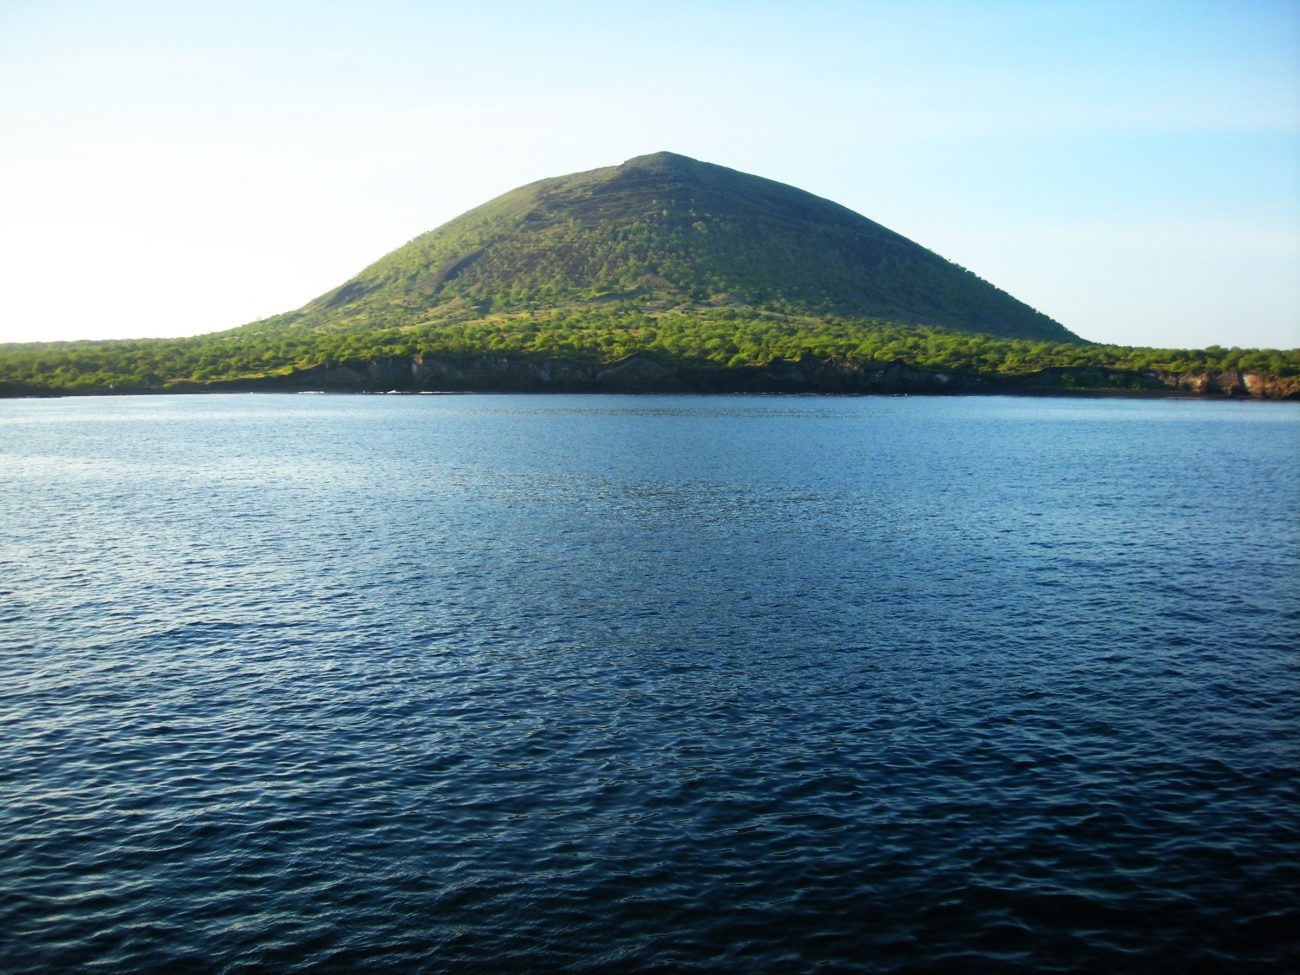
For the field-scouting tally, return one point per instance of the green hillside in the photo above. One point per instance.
(666, 232)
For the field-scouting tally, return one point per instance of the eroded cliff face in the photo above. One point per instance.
(506, 373)
(642, 374)
(1233, 382)
(486, 373)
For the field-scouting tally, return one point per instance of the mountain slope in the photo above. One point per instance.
(664, 232)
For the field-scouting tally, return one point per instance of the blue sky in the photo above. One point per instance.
(1131, 169)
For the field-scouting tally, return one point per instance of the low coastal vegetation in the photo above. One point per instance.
(689, 339)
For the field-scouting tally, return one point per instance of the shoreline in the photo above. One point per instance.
(639, 373)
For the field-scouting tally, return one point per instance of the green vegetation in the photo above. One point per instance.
(692, 264)
(663, 232)
(716, 337)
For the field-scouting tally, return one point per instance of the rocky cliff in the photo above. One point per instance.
(488, 372)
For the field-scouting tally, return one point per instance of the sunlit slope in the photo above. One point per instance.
(659, 233)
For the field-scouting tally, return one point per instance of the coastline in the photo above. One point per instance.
(505, 373)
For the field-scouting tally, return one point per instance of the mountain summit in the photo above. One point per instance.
(666, 232)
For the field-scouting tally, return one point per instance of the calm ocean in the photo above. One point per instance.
(629, 684)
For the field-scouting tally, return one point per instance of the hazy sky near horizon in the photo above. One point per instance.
(1131, 169)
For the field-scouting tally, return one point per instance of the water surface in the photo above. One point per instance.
(528, 683)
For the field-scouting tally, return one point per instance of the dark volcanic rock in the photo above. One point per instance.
(644, 374)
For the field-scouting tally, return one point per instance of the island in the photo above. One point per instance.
(663, 274)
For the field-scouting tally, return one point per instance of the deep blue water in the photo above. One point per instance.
(514, 683)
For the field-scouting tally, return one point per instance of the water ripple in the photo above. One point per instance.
(606, 685)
